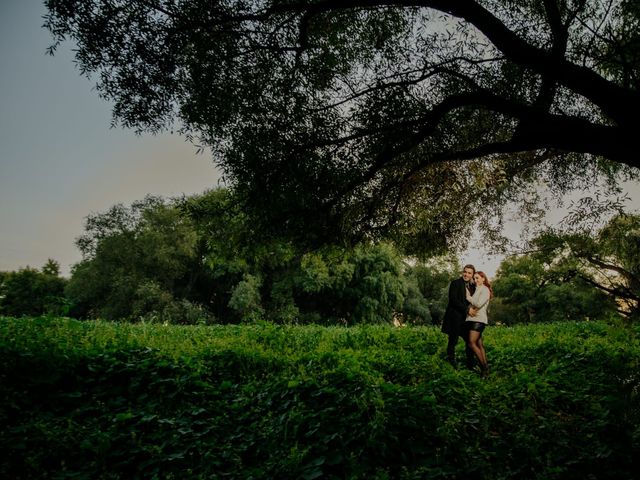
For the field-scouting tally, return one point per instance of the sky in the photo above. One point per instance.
(60, 160)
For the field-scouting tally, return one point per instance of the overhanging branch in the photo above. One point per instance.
(615, 101)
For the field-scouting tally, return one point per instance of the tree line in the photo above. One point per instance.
(200, 259)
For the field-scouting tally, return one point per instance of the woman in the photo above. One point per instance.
(479, 302)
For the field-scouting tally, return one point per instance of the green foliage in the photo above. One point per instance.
(529, 289)
(432, 278)
(376, 288)
(137, 261)
(618, 52)
(245, 298)
(415, 308)
(51, 268)
(607, 261)
(366, 119)
(108, 400)
(32, 292)
(351, 286)
(290, 283)
(152, 304)
(163, 261)
(201, 256)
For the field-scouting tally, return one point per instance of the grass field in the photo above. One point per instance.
(118, 400)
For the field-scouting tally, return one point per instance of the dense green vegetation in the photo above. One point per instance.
(198, 260)
(573, 274)
(363, 143)
(29, 291)
(118, 400)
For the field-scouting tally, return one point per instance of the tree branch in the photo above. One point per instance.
(616, 292)
(608, 266)
(613, 100)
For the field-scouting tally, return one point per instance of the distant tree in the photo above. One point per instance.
(531, 288)
(147, 260)
(281, 280)
(364, 284)
(432, 278)
(32, 292)
(237, 257)
(51, 268)
(365, 118)
(415, 308)
(246, 299)
(133, 254)
(608, 261)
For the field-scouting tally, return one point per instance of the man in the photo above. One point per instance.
(454, 324)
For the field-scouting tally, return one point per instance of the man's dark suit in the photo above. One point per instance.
(454, 320)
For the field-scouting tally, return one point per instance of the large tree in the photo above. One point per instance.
(607, 260)
(139, 261)
(374, 115)
(274, 278)
(532, 288)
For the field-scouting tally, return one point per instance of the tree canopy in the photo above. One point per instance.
(365, 117)
(607, 260)
(531, 289)
(139, 260)
(199, 259)
(30, 291)
(582, 273)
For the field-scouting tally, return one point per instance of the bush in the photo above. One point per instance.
(107, 400)
(153, 304)
(246, 299)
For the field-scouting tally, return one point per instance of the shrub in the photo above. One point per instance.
(108, 400)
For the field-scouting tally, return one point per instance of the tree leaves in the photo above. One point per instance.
(333, 119)
(98, 399)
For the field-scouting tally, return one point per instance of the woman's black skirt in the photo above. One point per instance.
(476, 326)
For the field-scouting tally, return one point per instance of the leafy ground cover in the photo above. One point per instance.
(115, 400)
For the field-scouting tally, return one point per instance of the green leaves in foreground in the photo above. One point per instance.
(101, 400)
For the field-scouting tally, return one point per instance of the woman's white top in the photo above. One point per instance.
(480, 299)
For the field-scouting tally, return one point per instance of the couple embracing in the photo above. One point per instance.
(466, 316)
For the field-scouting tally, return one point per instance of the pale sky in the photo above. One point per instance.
(60, 160)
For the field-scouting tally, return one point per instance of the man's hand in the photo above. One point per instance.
(473, 311)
